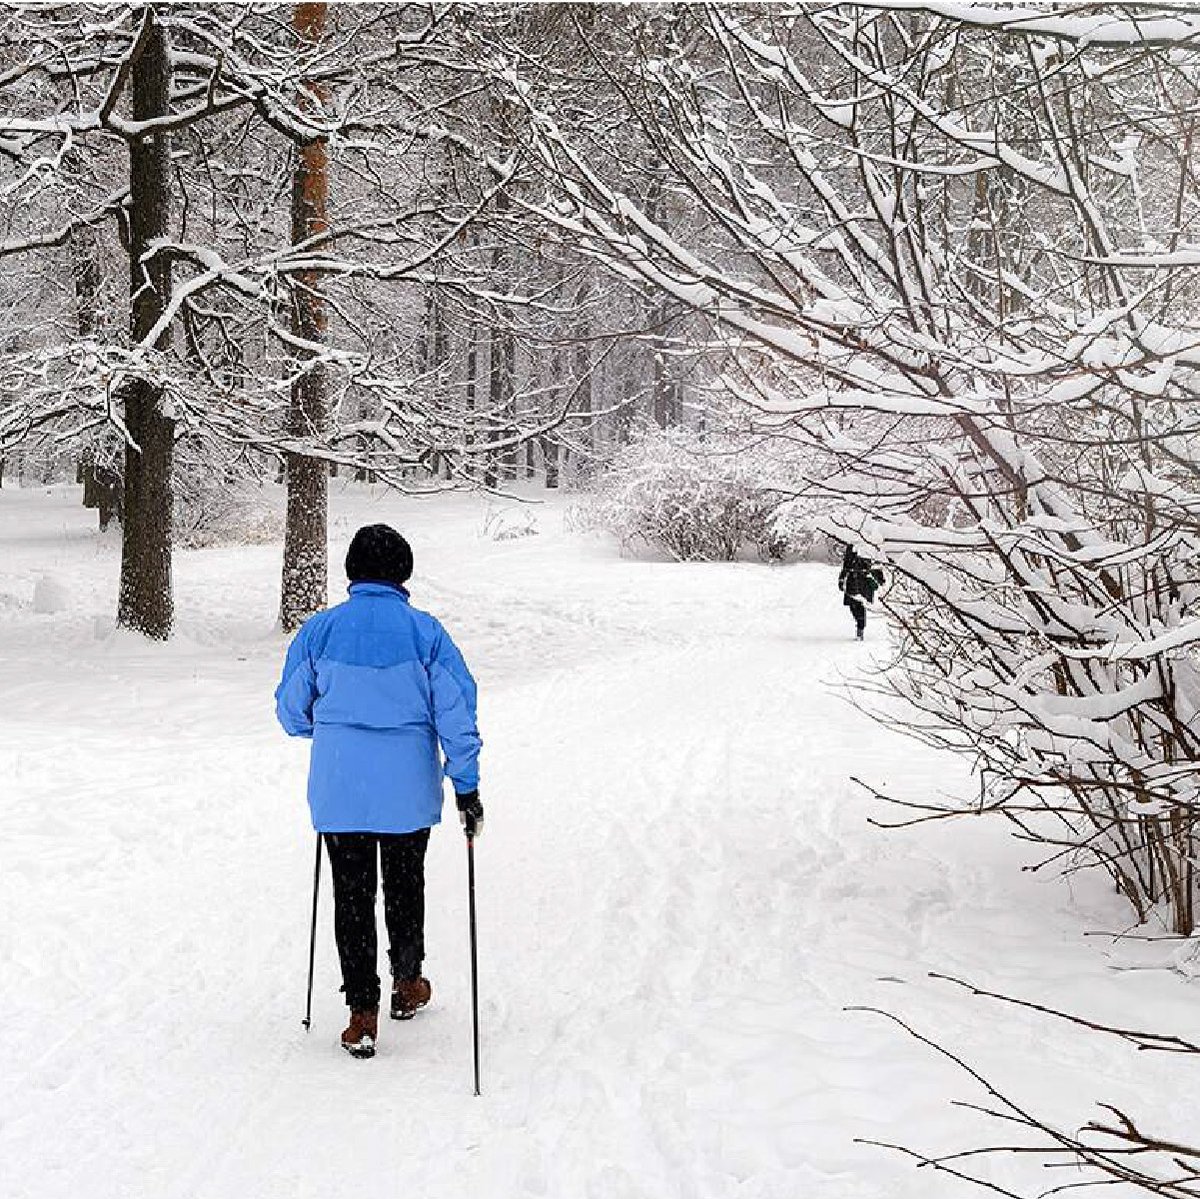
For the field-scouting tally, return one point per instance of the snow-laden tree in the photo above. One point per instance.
(963, 239)
(166, 136)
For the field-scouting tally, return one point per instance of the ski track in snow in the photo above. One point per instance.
(679, 897)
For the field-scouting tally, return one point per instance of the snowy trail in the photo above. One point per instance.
(679, 896)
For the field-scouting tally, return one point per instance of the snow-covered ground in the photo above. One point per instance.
(680, 896)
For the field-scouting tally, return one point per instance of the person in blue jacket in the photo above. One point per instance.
(380, 689)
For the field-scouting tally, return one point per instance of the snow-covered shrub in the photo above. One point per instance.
(503, 524)
(700, 499)
(211, 510)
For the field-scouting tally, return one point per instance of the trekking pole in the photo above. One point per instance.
(312, 939)
(474, 963)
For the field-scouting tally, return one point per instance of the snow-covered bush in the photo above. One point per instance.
(699, 499)
(505, 524)
(211, 509)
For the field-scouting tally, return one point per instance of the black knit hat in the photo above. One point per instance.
(379, 553)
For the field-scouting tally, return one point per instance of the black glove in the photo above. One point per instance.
(470, 812)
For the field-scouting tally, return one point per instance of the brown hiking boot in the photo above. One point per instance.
(359, 1039)
(409, 994)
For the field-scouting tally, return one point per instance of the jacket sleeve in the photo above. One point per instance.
(453, 691)
(297, 690)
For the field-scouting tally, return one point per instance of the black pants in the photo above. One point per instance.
(353, 858)
(859, 611)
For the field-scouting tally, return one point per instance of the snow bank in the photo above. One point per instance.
(50, 595)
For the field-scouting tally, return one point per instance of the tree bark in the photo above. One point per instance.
(305, 583)
(662, 386)
(583, 373)
(508, 458)
(103, 487)
(495, 392)
(85, 267)
(146, 602)
(550, 450)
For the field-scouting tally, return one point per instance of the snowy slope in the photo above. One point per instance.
(679, 898)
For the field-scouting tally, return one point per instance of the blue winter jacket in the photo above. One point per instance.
(377, 684)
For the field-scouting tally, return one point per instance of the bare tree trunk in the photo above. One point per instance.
(85, 272)
(469, 393)
(305, 585)
(548, 442)
(550, 454)
(433, 355)
(509, 380)
(85, 266)
(531, 442)
(583, 372)
(146, 602)
(502, 355)
(661, 389)
(361, 473)
(530, 458)
(103, 487)
(495, 399)
(663, 398)
(439, 348)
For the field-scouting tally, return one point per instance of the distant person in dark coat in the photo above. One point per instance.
(859, 581)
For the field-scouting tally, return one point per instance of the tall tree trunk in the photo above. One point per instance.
(85, 267)
(501, 370)
(509, 403)
(305, 585)
(433, 352)
(498, 383)
(103, 487)
(583, 372)
(663, 399)
(146, 602)
(550, 456)
(470, 399)
(661, 389)
(531, 443)
(495, 400)
(469, 394)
